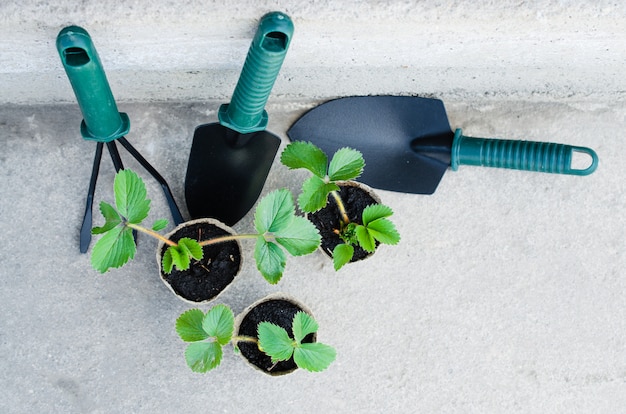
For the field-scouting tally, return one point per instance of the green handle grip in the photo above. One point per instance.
(246, 111)
(102, 121)
(518, 155)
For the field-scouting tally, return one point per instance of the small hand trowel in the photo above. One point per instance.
(230, 160)
(408, 144)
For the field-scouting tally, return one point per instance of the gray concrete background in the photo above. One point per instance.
(192, 50)
(506, 293)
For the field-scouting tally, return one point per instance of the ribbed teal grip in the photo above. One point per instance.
(102, 121)
(518, 155)
(246, 111)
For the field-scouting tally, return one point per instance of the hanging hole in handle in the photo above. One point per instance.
(584, 161)
(275, 42)
(76, 56)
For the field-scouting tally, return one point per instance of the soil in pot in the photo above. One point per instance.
(206, 278)
(328, 219)
(276, 311)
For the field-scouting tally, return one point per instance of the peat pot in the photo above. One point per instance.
(356, 196)
(206, 278)
(278, 309)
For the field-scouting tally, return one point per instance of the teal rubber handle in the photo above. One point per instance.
(246, 111)
(518, 155)
(102, 122)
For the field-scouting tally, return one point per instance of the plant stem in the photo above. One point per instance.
(151, 233)
(228, 238)
(167, 241)
(245, 338)
(249, 339)
(341, 207)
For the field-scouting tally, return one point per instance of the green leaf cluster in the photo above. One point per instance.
(376, 228)
(346, 164)
(132, 206)
(117, 245)
(276, 342)
(279, 230)
(181, 254)
(207, 333)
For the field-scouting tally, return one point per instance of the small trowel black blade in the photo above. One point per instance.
(226, 173)
(388, 131)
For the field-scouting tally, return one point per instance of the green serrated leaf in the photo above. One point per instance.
(274, 211)
(179, 257)
(111, 216)
(342, 254)
(314, 357)
(346, 164)
(191, 247)
(219, 323)
(384, 231)
(189, 326)
(203, 356)
(168, 262)
(374, 212)
(130, 196)
(314, 194)
(181, 254)
(182, 262)
(275, 341)
(303, 324)
(181, 248)
(300, 238)
(366, 241)
(113, 249)
(300, 154)
(159, 224)
(270, 260)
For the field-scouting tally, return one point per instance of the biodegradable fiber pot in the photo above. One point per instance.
(206, 278)
(280, 310)
(356, 196)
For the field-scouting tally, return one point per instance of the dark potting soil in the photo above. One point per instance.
(328, 219)
(279, 312)
(206, 278)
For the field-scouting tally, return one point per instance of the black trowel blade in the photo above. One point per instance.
(405, 140)
(227, 171)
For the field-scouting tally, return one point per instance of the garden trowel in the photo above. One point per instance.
(408, 144)
(230, 160)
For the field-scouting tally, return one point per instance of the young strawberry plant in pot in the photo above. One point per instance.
(276, 335)
(207, 275)
(206, 251)
(348, 215)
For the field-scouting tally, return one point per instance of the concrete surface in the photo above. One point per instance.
(506, 294)
(193, 50)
